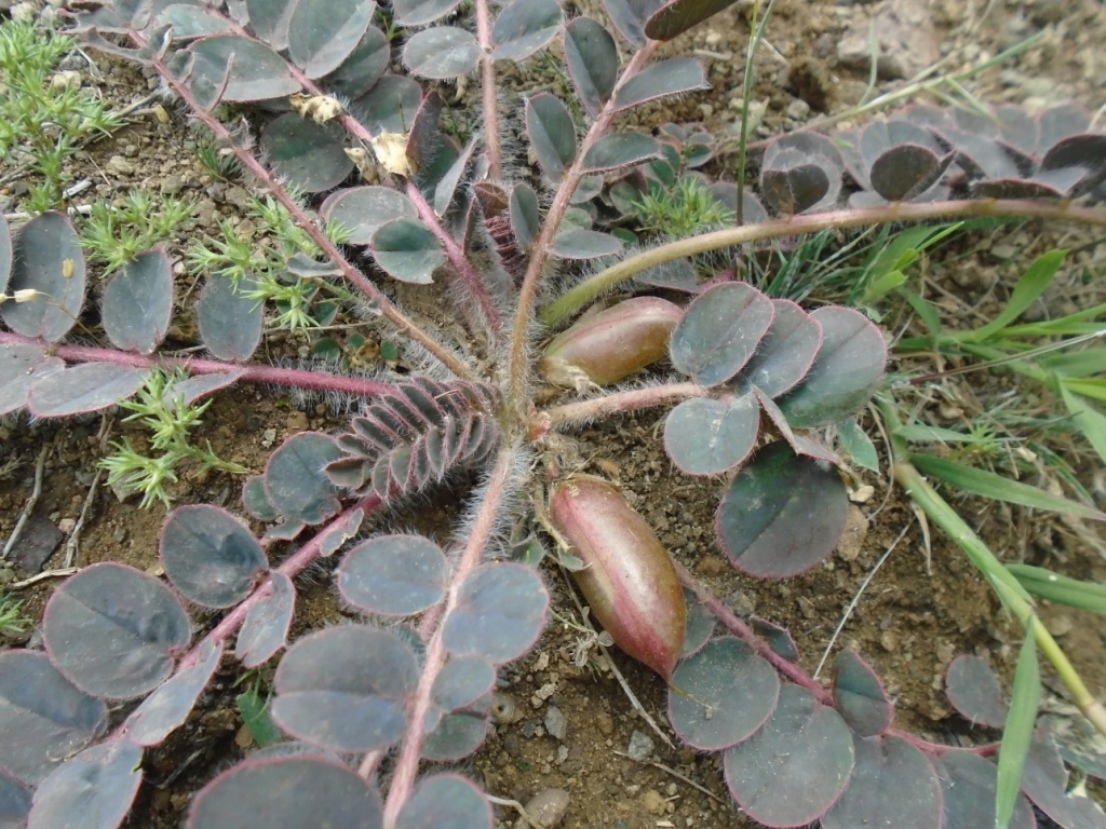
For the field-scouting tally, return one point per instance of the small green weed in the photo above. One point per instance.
(683, 210)
(12, 618)
(44, 115)
(115, 235)
(162, 410)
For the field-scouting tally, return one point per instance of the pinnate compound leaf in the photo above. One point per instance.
(421, 12)
(21, 366)
(552, 133)
(462, 681)
(859, 695)
(501, 609)
(394, 575)
(592, 58)
(906, 171)
(345, 689)
(678, 16)
(720, 331)
(442, 53)
(1045, 783)
(445, 801)
(230, 322)
(361, 210)
(968, 790)
(137, 303)
(408, 251)
(787, 351)
(323, 33)
(265, 630)
(210, 556)
(524, 27)
(705, 436)
(782, 514)
(113, 631)
(295, 478)
(311, 156)
(288, 793)
(674, 76)
(94, 789)
(620, 150)
(87, 387)
(44, 718)
(15, 801)
(845, 374)
(796, 766)
(721, 695)
(893, 784)
(47, 258)
(974, 691)
(168, 707)
(250, 69)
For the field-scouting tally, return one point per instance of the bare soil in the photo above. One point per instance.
(924, 606)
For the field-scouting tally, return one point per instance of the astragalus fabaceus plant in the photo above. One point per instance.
(351, 161)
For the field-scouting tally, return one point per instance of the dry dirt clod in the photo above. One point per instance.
(548, 807)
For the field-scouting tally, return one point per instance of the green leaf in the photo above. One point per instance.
(925, 310)
(592, 59)
(620, 150)
(679, 16)
(551, 132)
(990, 485)
(1082, 595)
(858, 445)
(1031, 285)
(1089, 420)
(1018, 733)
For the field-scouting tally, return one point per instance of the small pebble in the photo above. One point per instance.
(556, 723)
(641, 746)
(547, 807)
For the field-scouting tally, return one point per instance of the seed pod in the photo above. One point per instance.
(608, 346)
(629, 580)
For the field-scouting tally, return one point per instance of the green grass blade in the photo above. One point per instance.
(925, 310)
(1092, 388)
(1018, 733)
(1091, 422)
(990, 485)
(1082, 595)
(921, 433)
(1031, 285)
(1085, 363)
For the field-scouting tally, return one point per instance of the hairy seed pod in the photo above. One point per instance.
(629, 580)
(611, 345)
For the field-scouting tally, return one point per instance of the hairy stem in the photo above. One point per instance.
(621, 401)
(492, 147)
(492, 496)
(539, 256)
(295, 378)
(615, 275)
